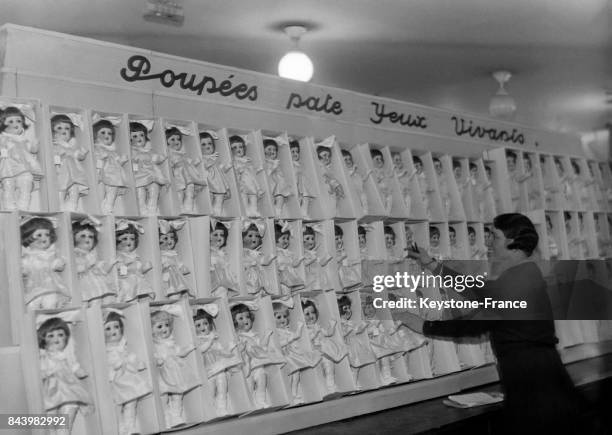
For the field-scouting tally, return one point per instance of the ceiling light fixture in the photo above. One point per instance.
(164, 12)
(295, 64)
(502, 105)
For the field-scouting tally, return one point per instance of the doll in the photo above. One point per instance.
(110, 164)
(279, 185)
(41, 265)
(382, 179)
(456, 248)
(64, 390)
(533, 189)
(488, 240)
(324, 156)
(173, 270)
(357, 180)
(404, 178)
(514, 179)
(305, 191)
(253, 260)
(476, 252)
(462, 184)
(130, 269)
(424, 185)
(566, 184)
(222, 278)
(443, 186)
(185, 173)
(246, 175)
(412, 266)
(68, 157)
(215, 172)
(435, 250)
(93, 275)
(349, 272)
(147, 166)
(553, 246)
(257, 351)
(389, 234)
(218, 359)
(324, 343)
(360, 352)
(575, 242)
(549, 187)
(298, 358)
(315, 263)
(19, 168)
(583, 186)
(363, 242)
(598, 187)
(175, 379)
(603, 241)
(287, 262)
(126, 372)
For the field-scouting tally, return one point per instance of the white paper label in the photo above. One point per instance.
(57, 160)
(123, 270)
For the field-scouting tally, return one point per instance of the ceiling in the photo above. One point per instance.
(435, 52)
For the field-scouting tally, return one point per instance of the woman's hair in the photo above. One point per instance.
(270, 142)
(456, 164)
(37, 223)
(576, 167)
(241, 308)
(520, 229)
(7, 113)
(346, 153)
(278, 232)
(202, 314)
(309, 303)
(114, 317)
(137, 126)
(50, 325)
(173, 131)
(343, 301)
(221, 227)
(61, 118)
(131, 229)
(77, 227)
(338, 231)
(103, 123)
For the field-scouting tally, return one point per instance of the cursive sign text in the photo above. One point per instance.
(405, 119)
(315, 104)
(463, 127)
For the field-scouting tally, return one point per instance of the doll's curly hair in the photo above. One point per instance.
(202, 314)
(241, 308)
(137, 126)
(219, 226)
(36, 223)
(309, 303)
(7, 113)
(131, 229)
(51, 325)
(61, 118)
(278, 232)
(114, 317)
(77, 227)
(173, 131)
(103, 123)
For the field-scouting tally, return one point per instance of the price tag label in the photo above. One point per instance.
(57, 160)
(4, 153)
(99, 164)
(123, 270)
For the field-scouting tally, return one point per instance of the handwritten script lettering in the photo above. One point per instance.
(463, 127)
(138, 69)
(405, 119)
(328, 105)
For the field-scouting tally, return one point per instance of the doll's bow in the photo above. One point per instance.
(172, 309)
(214, 222)
(258, 224)
(367, 227)
(212, 134)
(166, 226)
(70, 316)
(317, 228)
(107, 311)
(75, 118)
(251, 305)
(185, 131)
(286, 226)
(305, 299)
(212, 309)
(115, 120)
(148, 123)
(26, 109)
(90, 220)
(282, 140)
(327, 142)
(25, 219)
(124, 224)
(286, 301)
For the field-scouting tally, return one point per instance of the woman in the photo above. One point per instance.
(539, 395)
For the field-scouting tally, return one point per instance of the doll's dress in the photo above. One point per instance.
(303, 187)
(297, 357)
(324, 343)
(94, 282)
(255, 275)
(255, 354)
(585, 191)
(39, 276)
(60, 385)
(533, 192)
(247, 178)
(383, 343)
(567, 190)
(278, 182)
(514, 189)
(148, 171)
(288, 278)
(424, 188)
(359, 350)
(217, 359)
(358, 183)
(333, 185)
(476, 253)
(404, 180)
(316, 278)
(444, 194)
(553, 247)
(184, 171)
(133, 283)
(220, 271)
(18, 156)
(128, 382)
(349, 273)
(71, 171)
(217, 183)
(110, 170)
(383, 182)
(173, 279)
(174, 373)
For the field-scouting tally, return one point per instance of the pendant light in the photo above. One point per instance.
(295, 65)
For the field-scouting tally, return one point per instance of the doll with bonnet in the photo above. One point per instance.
(246, 176)
(404, 178)
(324, 157)
(279, 185)
(215, 171)
(253, 260)
(357, 180)
(222, 278)
(315, 263)
(305, 192)
(130, 268)
(173, 270)
(286, 260)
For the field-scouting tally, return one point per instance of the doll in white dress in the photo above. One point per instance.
(443, 186)
(315, 263)
(575, 242)
(533, 189)
(405, 179)
(246, 176)
(383, 179)
(94, 276)
(286, 261)
(257, 351)
(324, 157)
(149, 177)
(395, 262)
(64, 390)
(110, 165)
(514, 179)
(476, 252)
(349, 271)
(188, 180)
(424, 186)
(41, 264)
(280, 188)
(553, 245)
(324, 343)
(69, 157)
(298, 358)
(175, 376)
(215, 172)
(357, 180)
(126, 372)
(222, 277)
(455, 247)
(131, 269)
(566, 185)
(174, 270)
(218, 359)
(583, 186)
(305, 192)
(253, 260)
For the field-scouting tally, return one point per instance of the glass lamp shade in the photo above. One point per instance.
(502, 105)
(295, 65)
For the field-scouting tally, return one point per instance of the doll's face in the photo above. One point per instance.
(362, 241)
(203, 326)
(348, 161)
(368, 309)
(61, 131)
(84, 240)
(488, 238)
(41, 239)
(389, 241)
(309, 241)
(295, 154)
(281, 317)
(161, 328)
(434, 240)
(324, 157)
(137, 139)
(378, 161)
(458, 171)
(112, 331)
(126, 242)
(13, 124)
(339, 241)
(559, 167)
(104, 136)
(243, 321)
(438, 166)
(167, 242)
(473, 172)
(55, 340)
(345, 312)
(511, 163)
(207, 145)
(283, 241)
(418, 166)
(409, 233)
(472, 237)
(452, 237)
(527, 163)
(217, 238)
(237, 149)
(310, 315)
(398, 163)
(251, 239)
(175, 142)
(271, 152)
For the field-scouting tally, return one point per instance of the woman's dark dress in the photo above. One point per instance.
(539, 395)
